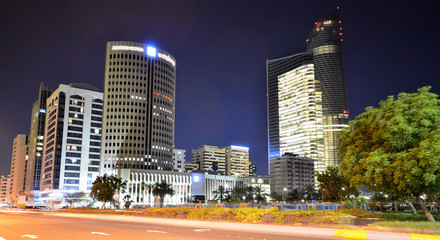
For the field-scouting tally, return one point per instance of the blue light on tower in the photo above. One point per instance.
(151, 51)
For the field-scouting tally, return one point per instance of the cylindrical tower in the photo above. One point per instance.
(139, 108)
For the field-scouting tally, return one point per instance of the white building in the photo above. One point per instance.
(138, 182)
(72, 140)
(205, 184)
(5, 182)
(179, 160)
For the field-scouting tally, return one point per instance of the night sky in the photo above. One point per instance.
(221, 49)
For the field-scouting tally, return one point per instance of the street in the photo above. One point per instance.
(25, 225)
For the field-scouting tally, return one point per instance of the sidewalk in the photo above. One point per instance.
(306, 231)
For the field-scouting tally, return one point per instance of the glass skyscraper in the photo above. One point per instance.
(307, 101)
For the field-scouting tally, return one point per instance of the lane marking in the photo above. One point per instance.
(100, 233)
(155, 231)
(30, 236)
(2, 238)
(202, 230)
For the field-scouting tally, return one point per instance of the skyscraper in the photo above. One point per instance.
(307, 102)
(72, 140)
(139, 105)
(20, 156)
(36, 140)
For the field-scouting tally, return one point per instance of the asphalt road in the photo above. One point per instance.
(45, 226)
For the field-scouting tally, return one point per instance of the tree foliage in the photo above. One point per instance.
(220, 194)
(395, 147)
(161, 190)
(74, 197)
(105, 186)
(333, 186)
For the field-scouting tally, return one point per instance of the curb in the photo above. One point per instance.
(373, 235)
(284, 230)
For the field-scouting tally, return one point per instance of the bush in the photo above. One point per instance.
(251, 215)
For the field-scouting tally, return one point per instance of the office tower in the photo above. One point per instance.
(72, 140)
(36, 140)
(139, 105)
(5, 183)
(237, 161)
(211, 159)
(252, 168)
(289, 172)
(307, 102)
(20, 155)
(190, 166)
(179, 160)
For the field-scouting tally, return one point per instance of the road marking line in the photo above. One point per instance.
(30, 236)
(154, 231)
(202, 230)
(101, 233)
(2, 238)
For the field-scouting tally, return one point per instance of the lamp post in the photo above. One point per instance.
(283, 195)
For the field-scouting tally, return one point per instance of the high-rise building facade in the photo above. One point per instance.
(307, 102)
(237, 161)
(72, 139)
(211, 159)
(36, 140)
(139, 108)
(20, 156)
(289, 172)
(179, 160)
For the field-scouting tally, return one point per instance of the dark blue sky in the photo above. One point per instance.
(221, 48)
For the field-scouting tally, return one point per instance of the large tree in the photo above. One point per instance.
(396, 147)
(161, 190)
(105, 186)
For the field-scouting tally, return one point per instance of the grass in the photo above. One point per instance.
(408, 227)
(409, 217)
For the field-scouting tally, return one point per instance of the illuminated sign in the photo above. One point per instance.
(167, 58)
(128, 48)
(151, 51)
(196, 178)
(240, 148)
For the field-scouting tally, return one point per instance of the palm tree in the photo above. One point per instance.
(260, 195)
(148, 188)
(295, 195)
(161, 190)
(237, 194)
(310, 193)
(220, 194)
(249, 193)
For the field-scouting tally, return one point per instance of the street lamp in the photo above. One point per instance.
(284, 193)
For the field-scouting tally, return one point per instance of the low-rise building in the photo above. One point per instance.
(290, 171)
(179, 160)
(5, 182)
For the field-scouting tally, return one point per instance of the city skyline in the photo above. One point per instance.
(213, 106)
